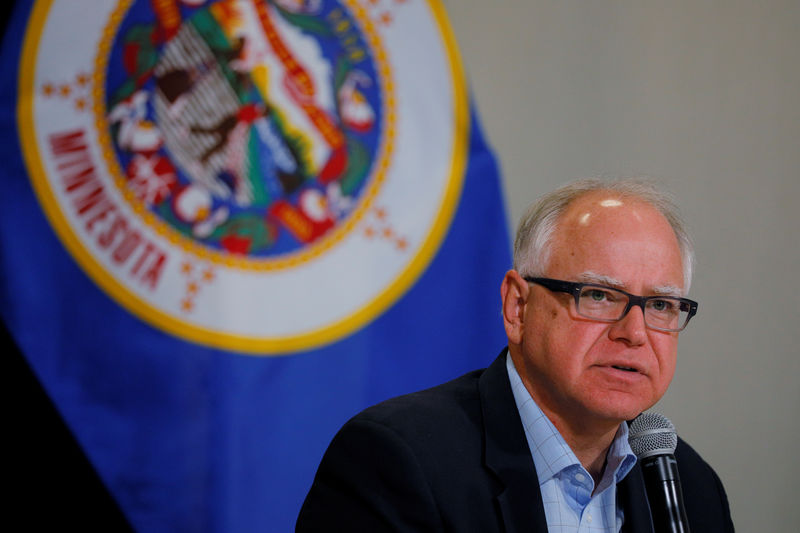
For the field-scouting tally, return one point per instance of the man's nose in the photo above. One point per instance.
(630, 328)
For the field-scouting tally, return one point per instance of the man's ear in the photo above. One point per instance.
(514, 294)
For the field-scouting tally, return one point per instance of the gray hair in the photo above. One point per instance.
(532, 243)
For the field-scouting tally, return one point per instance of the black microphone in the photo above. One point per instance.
(653, 439)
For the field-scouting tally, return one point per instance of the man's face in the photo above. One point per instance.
(579, 370)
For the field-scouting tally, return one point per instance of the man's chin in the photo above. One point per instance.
(619, 407)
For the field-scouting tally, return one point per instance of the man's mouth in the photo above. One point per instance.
(625, 368)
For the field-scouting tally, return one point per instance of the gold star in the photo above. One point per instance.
(369, 232)
(187, 305)
(387, 233)
(48, 89)
(83, 79)
(380, 213)
(401, 244)
(65, 90)
(208, 275)
(386, 18)
(192, 287)
(186, 268)
(80, 104)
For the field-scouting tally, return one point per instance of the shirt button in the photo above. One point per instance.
(589, 518)
(579, 477)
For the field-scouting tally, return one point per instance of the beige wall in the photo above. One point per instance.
(704, 96)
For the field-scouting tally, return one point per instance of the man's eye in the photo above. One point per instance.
(597, 295)
(661, 305)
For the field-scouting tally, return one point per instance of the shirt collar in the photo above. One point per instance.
(551, 454)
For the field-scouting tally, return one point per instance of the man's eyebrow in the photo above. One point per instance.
(600, 279)
(668, 290)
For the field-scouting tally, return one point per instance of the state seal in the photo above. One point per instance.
(257, 176)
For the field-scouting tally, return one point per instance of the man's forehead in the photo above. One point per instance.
(603, 214)
(613, 240)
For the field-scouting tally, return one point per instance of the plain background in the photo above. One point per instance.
(702, 96)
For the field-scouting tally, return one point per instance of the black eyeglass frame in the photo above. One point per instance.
(574, 288)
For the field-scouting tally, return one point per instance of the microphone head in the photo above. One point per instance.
(652, 434)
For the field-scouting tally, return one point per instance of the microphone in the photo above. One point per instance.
(653, 439)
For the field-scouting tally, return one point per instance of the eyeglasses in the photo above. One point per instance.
(607, 304)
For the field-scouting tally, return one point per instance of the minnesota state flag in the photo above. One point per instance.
(228, 226)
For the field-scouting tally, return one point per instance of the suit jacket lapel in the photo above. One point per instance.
(631, 496)
(507, 453)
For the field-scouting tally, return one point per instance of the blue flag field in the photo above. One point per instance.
(228, 226)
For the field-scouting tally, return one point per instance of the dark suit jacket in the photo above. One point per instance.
(455, 458)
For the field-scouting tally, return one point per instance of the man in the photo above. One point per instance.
(538, 441)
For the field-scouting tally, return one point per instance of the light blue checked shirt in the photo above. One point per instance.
(566, 486)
